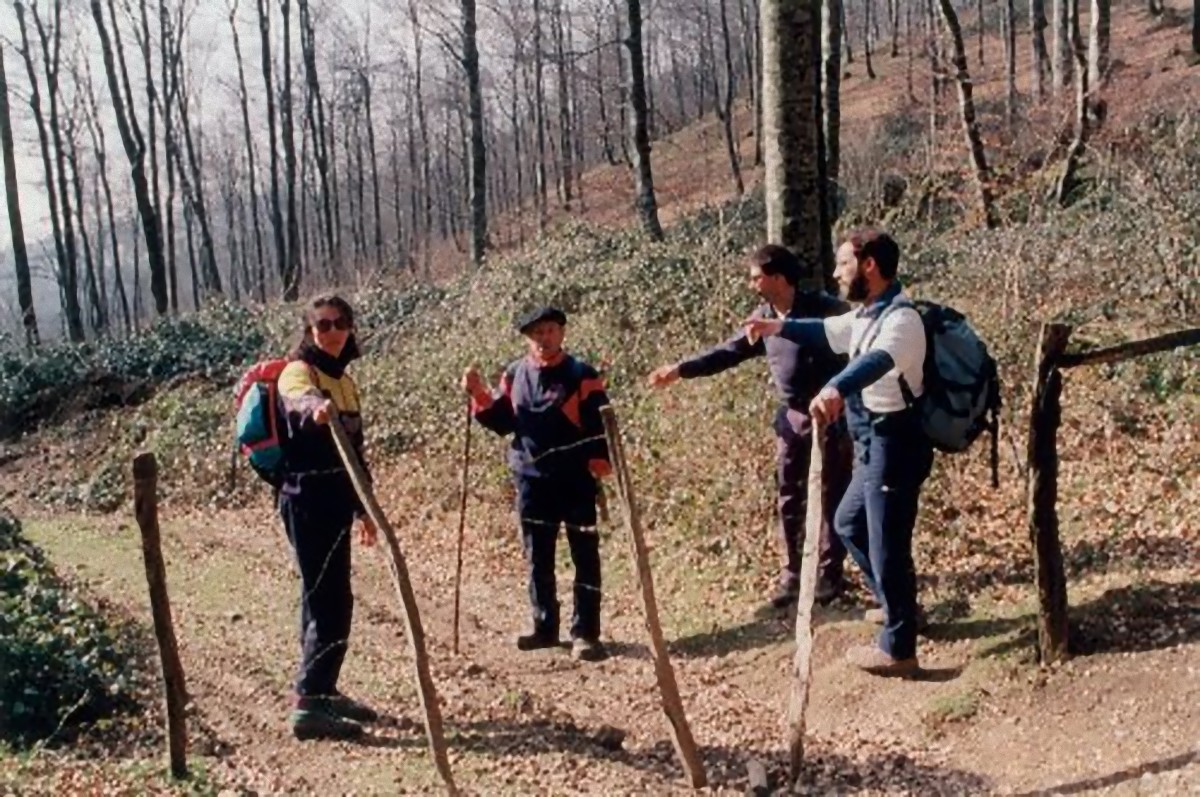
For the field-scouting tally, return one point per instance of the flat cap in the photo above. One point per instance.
(540, 314)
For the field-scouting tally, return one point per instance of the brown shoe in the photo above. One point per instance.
(870, 658)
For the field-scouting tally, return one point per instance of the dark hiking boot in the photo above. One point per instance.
(351, 709)
(869, 658)
(828, 590)
(318, 722)
(588, 650)
(786, 594)
(538, 640)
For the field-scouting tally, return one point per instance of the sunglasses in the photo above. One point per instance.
(325, 324)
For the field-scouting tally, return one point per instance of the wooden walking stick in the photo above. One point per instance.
(462, 521)
(802, 663)
(145, 504)
(408, 599)
(681, 734)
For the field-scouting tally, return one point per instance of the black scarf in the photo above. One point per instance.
(318, 358)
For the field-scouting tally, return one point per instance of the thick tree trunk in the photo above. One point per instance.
(292, 272)
(15, 225)
(172, 48)
(1098, 44)
(1010, 62)
(867, 4)
(831, 81)
(1061, 61)
(478, 158)
(791, 42)
(966, 103)
(1069, 178)
(1040, 65)
(647, 204)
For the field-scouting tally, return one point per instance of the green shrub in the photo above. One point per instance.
(61, 662)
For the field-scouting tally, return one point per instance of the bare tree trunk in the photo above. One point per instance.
(727, 105)
(316, 124)
(56, 180)
(566, 166)
(397, 202)
(867, 4)
(894, 23)
(99, 147)
(426, 148)
(539, 117)
(647, 205)
(602, 103)
(1196, 27)
(1069, 179)
(623, 83)
(414, 178)
(378, 205)
(1061, 61)
(135, 149)
(1010, 62)
(831, 55)
(909, 50)
(970, 126)
(792, 130)
(97, 316)
(191, 176)
(980, 26)
(758, 81)
(15, 224)
(1040, 66)
(292, 272)
(252, 170)
(746, 28)
(171, 48)
(152, 103)
(264, 27)
(478, 159)
(189, 226)
(1098, 45)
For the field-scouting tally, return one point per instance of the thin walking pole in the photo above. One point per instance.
(462, 520)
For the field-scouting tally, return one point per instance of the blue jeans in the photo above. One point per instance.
(876, 517)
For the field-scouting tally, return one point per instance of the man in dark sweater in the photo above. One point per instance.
(798, 372)
(550, 402)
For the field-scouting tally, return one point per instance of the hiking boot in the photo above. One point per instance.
(828, 590)
(538, 640)
(318, 722)
(351, 709)
(869, 658)
(588, 650)
(879, 617)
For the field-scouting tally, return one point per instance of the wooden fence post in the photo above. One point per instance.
(1044, 417)
(408, 599)
(681, 734)
(802, 663)
(145, 503)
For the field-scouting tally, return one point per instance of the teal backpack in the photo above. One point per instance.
(259, 433)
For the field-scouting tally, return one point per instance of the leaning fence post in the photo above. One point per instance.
(802, 662)
(1044, 416)
(426, 690)
(145, 503)
(681, 734)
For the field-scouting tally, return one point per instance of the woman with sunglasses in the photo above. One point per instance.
(319, 506)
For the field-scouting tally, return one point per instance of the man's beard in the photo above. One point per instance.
(856, 291)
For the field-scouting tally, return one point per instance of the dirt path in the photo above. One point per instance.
(536, 723)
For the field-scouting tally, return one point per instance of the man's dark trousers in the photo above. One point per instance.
(877, 515)
(793, 442)
(318, 527)
(543, 504)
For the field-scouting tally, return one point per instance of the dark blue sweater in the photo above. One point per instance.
(553, 413)
(798, 370)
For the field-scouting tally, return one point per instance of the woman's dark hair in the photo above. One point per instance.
(309, 316)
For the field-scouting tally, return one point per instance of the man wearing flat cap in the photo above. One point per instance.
(550, 403)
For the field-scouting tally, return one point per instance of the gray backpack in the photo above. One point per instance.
(962, 382)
